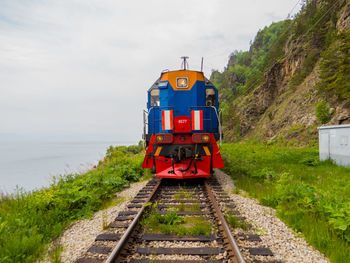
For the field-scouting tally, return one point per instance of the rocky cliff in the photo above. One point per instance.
(306, 63)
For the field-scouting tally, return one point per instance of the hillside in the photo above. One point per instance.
(295, 77)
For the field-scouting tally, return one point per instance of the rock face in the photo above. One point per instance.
(231, 61)
(271, 92)
(343, 23)
(278, 108)
(342, 115)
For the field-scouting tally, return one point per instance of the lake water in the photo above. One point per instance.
(31, 165)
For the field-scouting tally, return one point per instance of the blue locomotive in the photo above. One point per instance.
(182, 125)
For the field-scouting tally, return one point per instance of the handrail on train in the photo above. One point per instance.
(218, 116)
(145, 121)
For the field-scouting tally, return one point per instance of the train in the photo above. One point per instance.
(182, 125)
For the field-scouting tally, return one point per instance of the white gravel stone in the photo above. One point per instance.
(79, 236)
(276, 235)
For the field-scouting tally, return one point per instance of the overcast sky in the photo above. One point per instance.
(80, 69)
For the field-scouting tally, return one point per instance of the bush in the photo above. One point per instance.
(335, 67)
(306, 68)
(322, 112)
(29, 221)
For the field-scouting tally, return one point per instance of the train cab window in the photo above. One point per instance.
(154, 98)
(209, 97)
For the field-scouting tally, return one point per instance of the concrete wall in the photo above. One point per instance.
(334, 143)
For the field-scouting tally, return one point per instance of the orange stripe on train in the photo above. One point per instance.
(192, 76)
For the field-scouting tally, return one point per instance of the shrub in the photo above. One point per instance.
(335, 67)
(322, 112)
(306, 68)
(29, 221)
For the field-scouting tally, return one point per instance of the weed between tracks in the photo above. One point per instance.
(183, 195)
(312, 197)
(172, 223)
(235, 222)
(183, 207)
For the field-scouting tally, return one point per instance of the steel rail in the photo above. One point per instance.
(118, 248)
(238, 256)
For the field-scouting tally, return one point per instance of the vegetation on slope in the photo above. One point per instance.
(335, 67)
(246, 68)
(315, 26)
(311, 37)
(29, 221)
(310, 196)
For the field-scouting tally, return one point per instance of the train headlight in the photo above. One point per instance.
(205, 138)
(182, 83)
(164, 138)
(200, 138)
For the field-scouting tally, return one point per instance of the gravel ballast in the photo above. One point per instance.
(274, 233)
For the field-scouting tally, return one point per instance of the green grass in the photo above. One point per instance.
(181, 207)
(172, 223)
(193, 207)
(55, 254)
(183, 195)
(235, 222)
(29, 221)
(113, 202)
(312, 197)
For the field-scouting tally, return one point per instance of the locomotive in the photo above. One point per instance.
(182, 125)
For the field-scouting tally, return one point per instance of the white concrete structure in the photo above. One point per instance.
(334, 143)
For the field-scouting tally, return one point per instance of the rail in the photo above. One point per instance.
(238, 258)
(227, 231)
(118, 248)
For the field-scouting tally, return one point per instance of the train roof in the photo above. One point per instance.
(171, 76)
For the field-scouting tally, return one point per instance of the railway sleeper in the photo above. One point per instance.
(166, 237)
(89, 260)
(162, 206)
(184, 213)
(108, 237)
(260, 251)
(201, 251)
(174, 261)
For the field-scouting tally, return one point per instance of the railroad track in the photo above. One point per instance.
(178, 221)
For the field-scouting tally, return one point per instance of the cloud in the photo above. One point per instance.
(83, 67)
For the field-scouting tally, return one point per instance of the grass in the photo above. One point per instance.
(55, 254)
(193, 207)
(312, 197)
(113, 202)
(181, 207)
(29, 221)
(104, 220)
(235, 222)
(172, 223)
(183, 195)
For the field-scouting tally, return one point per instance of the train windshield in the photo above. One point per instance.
(154, 98)
(210, 97)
